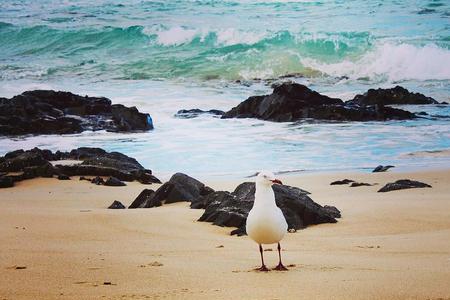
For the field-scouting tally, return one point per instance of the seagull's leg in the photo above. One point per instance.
(280, 266)
(263, 266)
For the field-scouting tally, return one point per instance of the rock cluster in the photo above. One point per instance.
(231, 209)
(179, 188)
(53, 112)
(293, 102)
(92, 162)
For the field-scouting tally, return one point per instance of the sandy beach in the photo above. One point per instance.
(58, 241)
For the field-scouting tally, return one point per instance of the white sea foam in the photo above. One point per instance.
(232, 36)
(393, 62)
(249, 74)
(224, 37)
(176, 36)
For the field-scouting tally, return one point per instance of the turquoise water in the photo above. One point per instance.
(167, 55)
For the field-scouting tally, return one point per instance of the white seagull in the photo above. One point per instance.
(265, 222)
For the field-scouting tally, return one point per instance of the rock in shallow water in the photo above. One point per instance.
(293, 102)
(381, 168)
(394, 96)
(403, 184)
(52, 112)
(193, 113)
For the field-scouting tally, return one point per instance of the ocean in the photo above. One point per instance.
(162, 56)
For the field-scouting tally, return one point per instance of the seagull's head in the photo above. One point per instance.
(267, 178)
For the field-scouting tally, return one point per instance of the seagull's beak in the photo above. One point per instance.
(277, 181)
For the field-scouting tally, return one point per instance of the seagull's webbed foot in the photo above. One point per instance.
(263, 268)
(281, 267)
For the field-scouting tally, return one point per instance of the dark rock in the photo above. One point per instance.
(396, 95)
(129, 119)
(94, 162)
(113, 181)
(293, 102)
(18, 160)
(180, 188)
(116, 205)
(425, 11)
(193, 113)
(333, 211)
(98, 162)
(356, 184)
(98, 181)
(143, 199)
(63, 177)
(403, 184)
(51, 112)
(381, 168)
(6, 182)
(341, 182)
(46, 170)
(231, 209)
(92, 170)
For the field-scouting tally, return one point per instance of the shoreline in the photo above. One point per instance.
(72, 247)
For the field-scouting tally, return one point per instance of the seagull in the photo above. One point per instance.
(265, 222)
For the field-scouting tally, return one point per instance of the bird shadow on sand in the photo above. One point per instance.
(294, 267)
(290, 267)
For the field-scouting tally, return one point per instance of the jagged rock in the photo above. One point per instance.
(356, 184)
(63, 177)
(116, 205)
(396, 95)
(231, 209)
(381, 168)
(52, 112)
(19, 160)
(143, 199)
(193, 113)
(113, 181)
(94, 162)
(98, 162)
(293, 102)
(341, 182)
(403, 184)
(129, 119)
(6, 182)
(180, 187)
